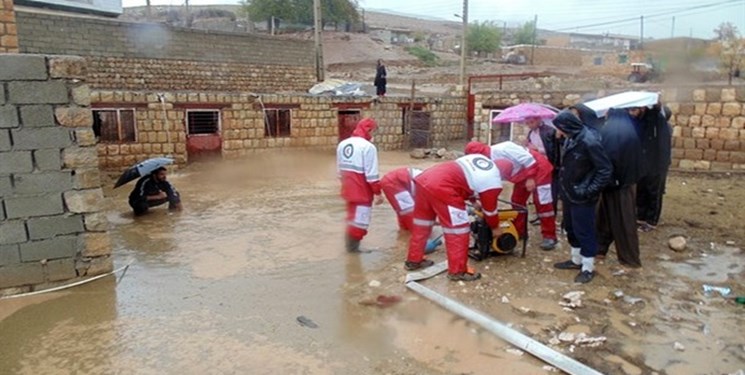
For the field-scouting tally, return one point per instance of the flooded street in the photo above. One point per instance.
(219, 287)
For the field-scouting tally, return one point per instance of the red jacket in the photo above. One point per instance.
(357, 164)
(400, 179)
(516, 163)
(450, 182)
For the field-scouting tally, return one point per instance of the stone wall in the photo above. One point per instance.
(708, 123)
(51, 228)
(8, 35)
(140, 56)
(315, 122)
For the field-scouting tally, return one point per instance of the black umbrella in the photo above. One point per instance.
(142, 169)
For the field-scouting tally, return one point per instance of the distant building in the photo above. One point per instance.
(593, 41)
(112, 8)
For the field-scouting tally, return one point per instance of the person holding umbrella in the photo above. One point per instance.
(154, 190)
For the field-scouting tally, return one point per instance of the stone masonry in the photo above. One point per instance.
(51, 228)
(8, 34)
(161, 127)
(708, 123)
(141, 56)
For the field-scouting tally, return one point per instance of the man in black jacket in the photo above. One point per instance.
(154, 190)
(617, 211)
(585, 170)
(656, 151)
(380, 79)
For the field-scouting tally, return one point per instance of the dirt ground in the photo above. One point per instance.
(655, 319)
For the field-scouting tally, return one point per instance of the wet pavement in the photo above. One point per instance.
(218, 289)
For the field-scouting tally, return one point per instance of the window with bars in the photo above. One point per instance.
(114, 125)
(277, 122)
(203, 122)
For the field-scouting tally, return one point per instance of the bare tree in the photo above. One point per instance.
(732, 49)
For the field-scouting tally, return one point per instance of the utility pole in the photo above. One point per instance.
(672, 29)
(149, 11)
(188, 16)
(317, 37)
(535, 33)
(463, 46)
(641, 39)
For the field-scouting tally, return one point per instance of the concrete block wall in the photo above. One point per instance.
(51, 228)
(8, 34)
(708, 127)
(161, 126)
(708, 122)
(140, 56)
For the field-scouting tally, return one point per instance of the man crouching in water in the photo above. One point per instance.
(154, 190)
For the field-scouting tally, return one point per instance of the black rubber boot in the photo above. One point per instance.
(352, 245)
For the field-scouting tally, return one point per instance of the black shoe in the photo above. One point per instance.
(413, 266)
(584, 277)
(568, 265)
(548, 244)
(464, 276)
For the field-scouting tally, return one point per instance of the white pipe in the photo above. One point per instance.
(61, 287)
(515, 338)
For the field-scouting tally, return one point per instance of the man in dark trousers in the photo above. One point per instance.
(154, 190)
(657, 153)
(585, 170)
(617, 211)
(380, 79)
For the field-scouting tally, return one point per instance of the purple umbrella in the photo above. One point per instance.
(524, 111)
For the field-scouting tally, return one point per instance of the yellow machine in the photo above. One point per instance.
(484, 245)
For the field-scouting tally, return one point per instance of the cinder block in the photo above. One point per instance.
(12, 231)
(21, 274)
(42, 182)
(9, 254)
(5, 140)
(41, 138)
(60, 269)
(48, 92)
(42, 205)
(9, 116)
(37, 116)
(22, 67)
(55, 248)
(15, 162)
(6, 188)
(48, 227)
(48, 160)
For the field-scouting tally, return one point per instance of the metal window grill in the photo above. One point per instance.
(203, 122)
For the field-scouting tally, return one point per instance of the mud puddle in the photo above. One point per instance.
(218, 289)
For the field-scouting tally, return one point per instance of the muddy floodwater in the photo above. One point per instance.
(219, 288)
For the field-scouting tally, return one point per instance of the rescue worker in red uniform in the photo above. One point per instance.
(398, 187)
(357, 165)
(441, 192)
(531, 172)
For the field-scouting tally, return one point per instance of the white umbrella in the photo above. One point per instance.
(629, 99)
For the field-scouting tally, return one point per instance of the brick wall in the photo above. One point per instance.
(708, 123)
(8, 37)
(315, 122)
(139, 56)
(51, 229)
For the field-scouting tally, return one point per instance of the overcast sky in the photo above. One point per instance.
(692, 17)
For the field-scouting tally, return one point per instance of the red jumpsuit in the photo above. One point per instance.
(357, 165)
(517, 164)
(398, 187)
(441, 192)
